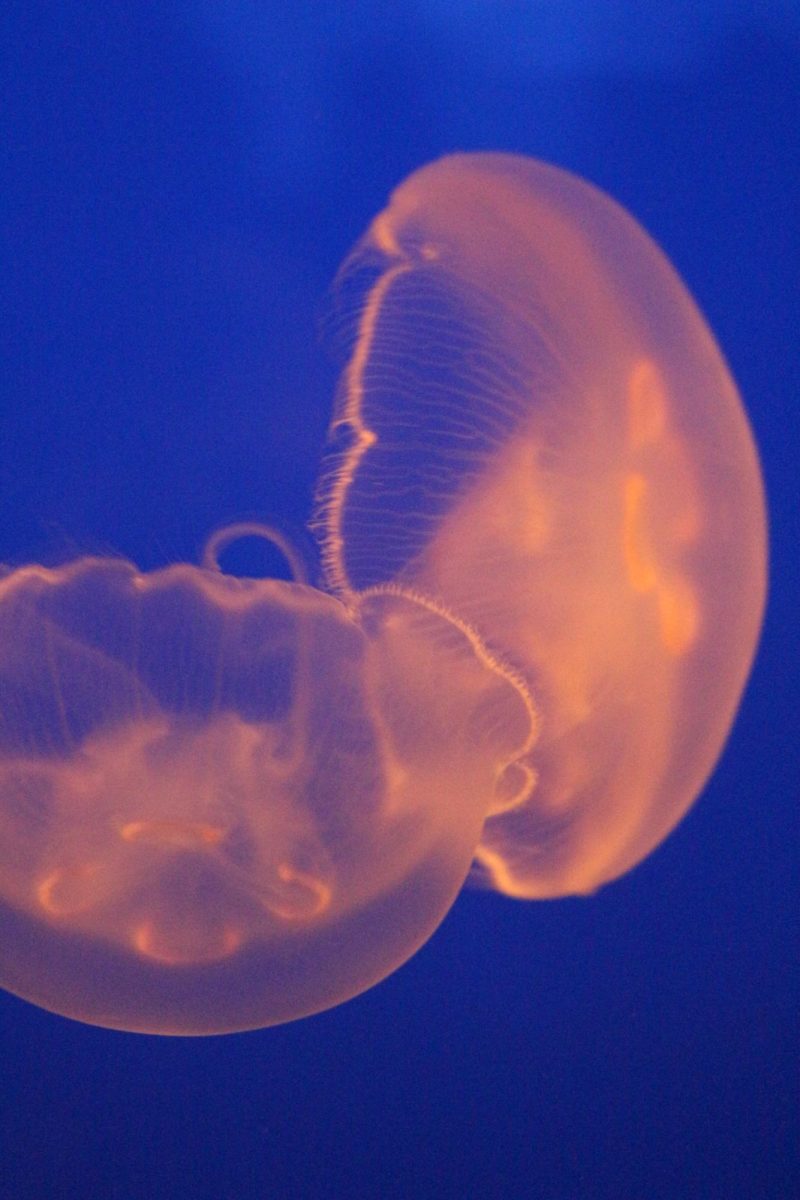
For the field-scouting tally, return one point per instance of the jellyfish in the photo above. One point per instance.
(228, 803)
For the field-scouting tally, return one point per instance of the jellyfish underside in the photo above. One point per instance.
(229, 802)
(226, 803)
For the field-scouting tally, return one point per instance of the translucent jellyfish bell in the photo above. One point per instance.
(226, 803)
(540, 431)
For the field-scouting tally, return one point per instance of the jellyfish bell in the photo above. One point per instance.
(227, 803)
(536, 426)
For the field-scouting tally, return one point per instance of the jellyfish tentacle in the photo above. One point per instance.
(219, 541)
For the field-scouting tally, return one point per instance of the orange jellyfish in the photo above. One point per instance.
(227, 803)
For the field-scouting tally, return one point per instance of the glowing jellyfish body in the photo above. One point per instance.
(228, 803)
(545, 436)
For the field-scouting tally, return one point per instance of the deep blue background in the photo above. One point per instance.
(180, 182)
